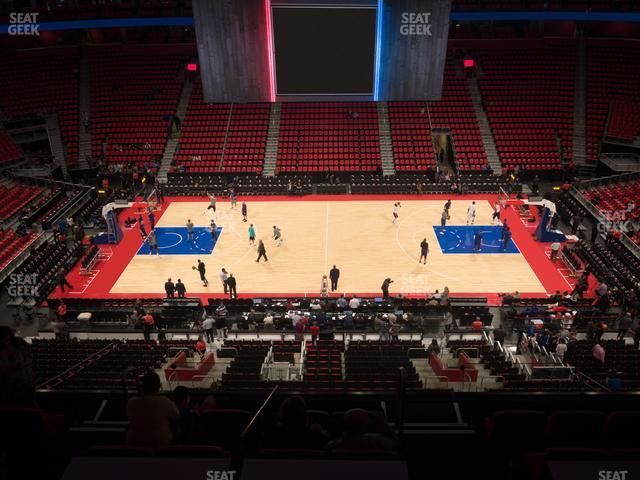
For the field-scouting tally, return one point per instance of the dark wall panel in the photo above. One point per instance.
(232, 50)
(413, 52)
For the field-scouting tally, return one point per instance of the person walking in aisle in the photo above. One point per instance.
(334, 275)
(202, 270)
(170, 288)
(252, 235)
(147, 325)
(424, 250)
(180, 289)
(62, 280)
(207, 325)
(262, 252)
(231, 283)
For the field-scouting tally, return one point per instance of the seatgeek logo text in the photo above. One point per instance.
(23, 24)
(416, 24)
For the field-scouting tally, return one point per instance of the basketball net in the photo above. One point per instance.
(503, 198)
(152, 201)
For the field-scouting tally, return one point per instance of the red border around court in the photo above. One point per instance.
(109, 272)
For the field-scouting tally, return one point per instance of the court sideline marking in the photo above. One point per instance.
(326, 239)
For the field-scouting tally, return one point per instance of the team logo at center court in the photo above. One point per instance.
(416, 24)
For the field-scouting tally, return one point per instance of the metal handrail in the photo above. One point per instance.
(592, 380)
(75, 365)
(436, 376)
(464, 349)
(171, 377)
(201, 378)
(469, 381)
(482, 379)
(257, 414)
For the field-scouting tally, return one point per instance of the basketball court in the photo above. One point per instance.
(356, 235)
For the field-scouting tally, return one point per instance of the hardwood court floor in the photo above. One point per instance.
(357, 236)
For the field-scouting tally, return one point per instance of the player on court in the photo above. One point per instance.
(424, 251)
(190, 234)
(252, 235)
(447, 207)
(396, 211)
(202, 271)
(277, 235)
(213, 229)
(471, 213)
(443, 220)
(212, 202)
(477, 241)
(234, 199)
(143, 232)
(496, 212)
(153, 243)
(244, 211)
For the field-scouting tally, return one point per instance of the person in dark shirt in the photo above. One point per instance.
(334, 275)
(187, 418)
(499, 335)
(170, 288)
(180, 289)
(424, 251)
(262, 252)
(231, 285)
(477, 241)
(385, 287)
(202, 270)
(294, 430)
(62, 280)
